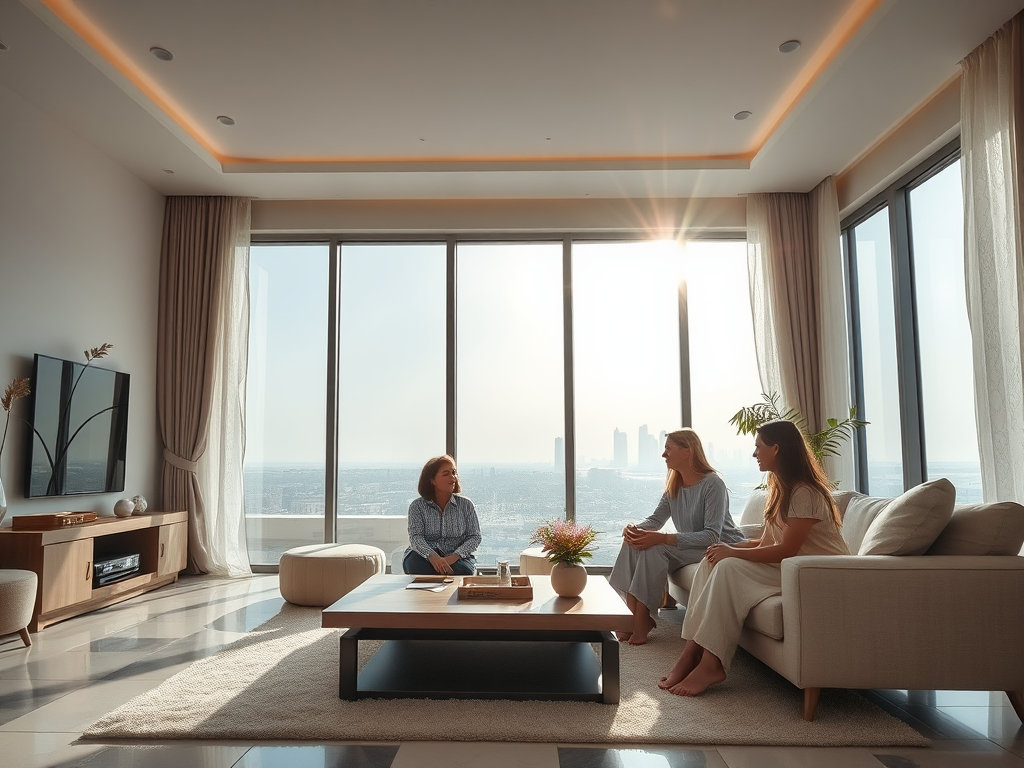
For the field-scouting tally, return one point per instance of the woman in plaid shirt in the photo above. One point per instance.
(443, 529)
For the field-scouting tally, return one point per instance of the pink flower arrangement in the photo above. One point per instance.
(566, 542)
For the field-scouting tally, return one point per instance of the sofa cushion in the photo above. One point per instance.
(765, 617)
(982, 529)
(859, 512)
(910, 523)
(842, 500)
(753, 510)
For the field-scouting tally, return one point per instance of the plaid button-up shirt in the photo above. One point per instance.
(457, 531)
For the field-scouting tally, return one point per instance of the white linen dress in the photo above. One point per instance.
(723, 594)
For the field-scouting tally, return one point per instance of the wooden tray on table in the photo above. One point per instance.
(487, 588)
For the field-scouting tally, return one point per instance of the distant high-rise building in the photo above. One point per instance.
(559, 453)
(647, 449)
(619, 454)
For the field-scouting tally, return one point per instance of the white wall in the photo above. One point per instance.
(79, 260)
(925, 131)
(661, 217)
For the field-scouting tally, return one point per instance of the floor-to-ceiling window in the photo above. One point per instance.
(911, 341)
(509, 389)
(465, 346)
(723, 364)
(880, 405)
(626, 354)
(286, 393)
(391, 382)
(944, 335)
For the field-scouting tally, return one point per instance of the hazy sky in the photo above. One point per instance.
(626, 348)
(510, 356)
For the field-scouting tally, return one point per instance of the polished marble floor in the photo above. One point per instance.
(82, 668)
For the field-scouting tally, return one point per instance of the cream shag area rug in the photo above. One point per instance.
(280, 682)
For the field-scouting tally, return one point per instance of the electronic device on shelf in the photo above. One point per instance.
(113, 569)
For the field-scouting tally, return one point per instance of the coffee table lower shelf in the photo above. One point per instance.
(481, 664)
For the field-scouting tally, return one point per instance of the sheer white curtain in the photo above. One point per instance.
(833, 333)
(220, 467)
(798, 302)
(992, 123)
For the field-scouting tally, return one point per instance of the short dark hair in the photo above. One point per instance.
(429, 472)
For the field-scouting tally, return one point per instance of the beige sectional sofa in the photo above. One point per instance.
(933, 600)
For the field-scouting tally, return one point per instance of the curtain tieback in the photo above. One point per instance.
(176, 461)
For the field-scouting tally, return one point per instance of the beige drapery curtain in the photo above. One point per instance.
(201, 360)
(991, 145)
(798, 302)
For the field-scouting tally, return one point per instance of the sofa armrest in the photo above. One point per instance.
(925, 622)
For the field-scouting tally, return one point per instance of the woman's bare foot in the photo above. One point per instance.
(685, 664)
(623, 637)
(709, 672)
(643, 623)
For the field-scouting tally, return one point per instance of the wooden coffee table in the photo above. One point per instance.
(443, 647)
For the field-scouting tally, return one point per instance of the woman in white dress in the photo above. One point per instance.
(800, 518)
(697, 502)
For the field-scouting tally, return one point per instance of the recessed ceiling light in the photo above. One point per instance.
(168, 171)
(161, 53)
(789, 46)
(741, 115)
(3, 46)
(225, 120)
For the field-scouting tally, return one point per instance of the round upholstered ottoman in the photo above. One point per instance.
(534, 562)
(320, 574)
(17, 599)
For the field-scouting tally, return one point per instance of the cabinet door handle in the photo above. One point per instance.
(161, 549)
(88, 571)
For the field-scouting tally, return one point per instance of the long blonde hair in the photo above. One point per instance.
(796, 466)
(686, 438)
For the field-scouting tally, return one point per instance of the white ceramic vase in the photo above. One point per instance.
(3, 501)
(568, 580)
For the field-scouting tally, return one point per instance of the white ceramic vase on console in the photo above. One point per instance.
(3, 501)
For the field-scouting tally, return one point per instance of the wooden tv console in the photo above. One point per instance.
(63, 559)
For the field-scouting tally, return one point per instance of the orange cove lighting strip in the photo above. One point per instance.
(851, 22)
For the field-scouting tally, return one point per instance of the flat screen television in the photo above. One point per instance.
(79, 435)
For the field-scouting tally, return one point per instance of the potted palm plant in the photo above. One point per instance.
(827, 442)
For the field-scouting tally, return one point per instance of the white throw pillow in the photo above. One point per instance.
(910, 523)
(858, 516)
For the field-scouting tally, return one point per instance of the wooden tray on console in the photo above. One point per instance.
(48, 522)
(486, 588)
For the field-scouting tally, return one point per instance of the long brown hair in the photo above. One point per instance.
(686, 438)
(796, 466)
(429, 471)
